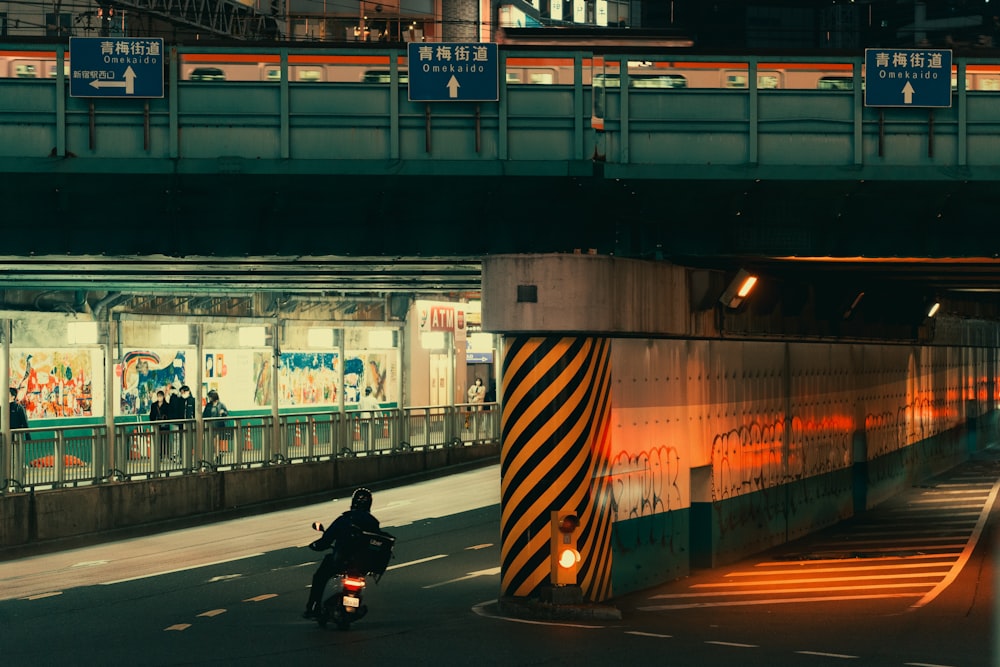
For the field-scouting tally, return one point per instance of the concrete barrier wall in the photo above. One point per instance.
(29, 518)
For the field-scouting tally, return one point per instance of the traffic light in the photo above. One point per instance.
(565, 559)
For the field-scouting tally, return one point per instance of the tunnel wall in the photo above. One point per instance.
(43, 516)
(722, 449)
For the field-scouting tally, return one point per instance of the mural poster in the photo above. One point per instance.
(58, 382)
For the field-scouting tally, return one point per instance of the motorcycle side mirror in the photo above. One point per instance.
(317, 526)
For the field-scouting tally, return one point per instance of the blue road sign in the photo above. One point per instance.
(907, 77)
(453, 72)
(116, 66)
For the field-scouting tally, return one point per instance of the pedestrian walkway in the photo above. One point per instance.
(910, 547)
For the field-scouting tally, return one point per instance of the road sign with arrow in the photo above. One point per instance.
(907, 77)
(116, 67)
(452, 72)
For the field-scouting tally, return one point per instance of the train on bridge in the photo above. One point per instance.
(540, 67)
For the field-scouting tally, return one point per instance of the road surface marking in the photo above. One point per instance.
(180, 569)
(180, 627)
(41, 596)
(478, 546)
(734, 644)
(212, 613)
(828, 655)
(966, 552)
(480, 610)
(738, 603)
(471, 575)
(416, 562)
(261, 598)
(647, 634)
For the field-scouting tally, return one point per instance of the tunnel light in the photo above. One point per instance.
(320, 338)
(380, 339)
(174, 334)
(739, 289)
(935, 307)
(253, 336)
(432, 340)
(81, 333)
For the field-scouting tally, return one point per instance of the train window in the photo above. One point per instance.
(25, 71)
(541, 77)
(513, 77)
(658, 81)
(988, 83)
(736, 81)
(272, 74)
(382, 76)
(310, 75)
(768, 82)
(835, 83)
(52, 69)
(207, 74)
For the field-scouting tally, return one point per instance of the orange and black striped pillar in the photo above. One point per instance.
(555, 456)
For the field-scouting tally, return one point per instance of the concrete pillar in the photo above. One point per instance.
(555, 456)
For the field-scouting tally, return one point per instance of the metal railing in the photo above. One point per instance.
(55, 457)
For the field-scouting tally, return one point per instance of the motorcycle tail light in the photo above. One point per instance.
(354, 583)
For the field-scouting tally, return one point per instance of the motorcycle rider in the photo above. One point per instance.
(339, 535)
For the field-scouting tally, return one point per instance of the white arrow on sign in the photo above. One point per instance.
(907, 93)
(453, 86)
(128, 84)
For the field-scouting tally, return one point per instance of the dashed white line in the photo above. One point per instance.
(733, 644)
(823, 654)
(637, 633)
(42, 596)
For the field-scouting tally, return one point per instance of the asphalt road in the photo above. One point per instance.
(908, 584)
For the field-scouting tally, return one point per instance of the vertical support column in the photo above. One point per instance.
(555, 455)
(753, 147)
(109, 459)
(277, 446)
(60, 101)
(6, 451)
(284, 139)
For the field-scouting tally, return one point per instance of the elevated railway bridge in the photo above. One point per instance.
(601, 209)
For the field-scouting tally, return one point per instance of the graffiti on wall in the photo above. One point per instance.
(646, 485)
(144, 372)
(305, 378)
(54, 383)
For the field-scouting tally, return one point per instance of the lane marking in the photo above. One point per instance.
(42, 596)
(809, 589)
(739, 603)
(850, 568)
(224, 577)
(966, 552)
(478, 546)
(416, 562)
(829, 655)
(925, 664)
(814, 580)
(212, 613)
(785, 563)
(735, 644)
(180, 569)
(260, 598)
(89, 563)
(637, 633)
(180, 627)
(471, 575)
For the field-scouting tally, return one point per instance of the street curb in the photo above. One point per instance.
(531, 609)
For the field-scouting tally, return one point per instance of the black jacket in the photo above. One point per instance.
(340, 531)
(19, 417)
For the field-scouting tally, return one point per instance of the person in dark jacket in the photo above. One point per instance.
(160, 411)
(18, 415)
(339, 536)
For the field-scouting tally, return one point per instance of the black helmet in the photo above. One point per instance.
(362, 500)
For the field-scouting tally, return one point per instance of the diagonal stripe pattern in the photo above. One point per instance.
(555, 456)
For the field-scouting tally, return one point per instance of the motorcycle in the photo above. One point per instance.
(370, 557)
